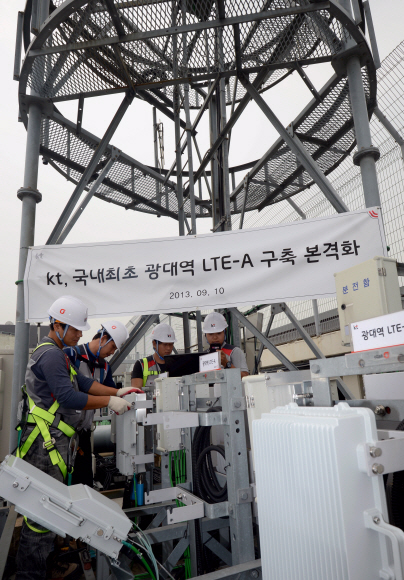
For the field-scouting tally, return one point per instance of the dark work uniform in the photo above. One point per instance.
(153, 368)
(86, 363)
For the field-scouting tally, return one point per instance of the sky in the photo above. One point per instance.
(251, 137)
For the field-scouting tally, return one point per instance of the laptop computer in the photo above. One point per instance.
(178, 365)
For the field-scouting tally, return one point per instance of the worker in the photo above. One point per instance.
(56, 394)
(231, 357)
(89, 360)
(145, 370)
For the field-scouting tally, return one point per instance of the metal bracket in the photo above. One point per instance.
(245, 495)
(383, 456)
(193, 509)
(210, 419)
(21, 483)
(142, 405)
(140, 459)
(172, 419)
(216, 510)
(45, 105)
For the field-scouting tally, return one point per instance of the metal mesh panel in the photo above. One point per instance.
(126, 185)
(329, 126)
(347, 181)
(163, 57)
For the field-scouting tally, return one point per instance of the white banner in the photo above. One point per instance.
(380, 332)
(285, 262)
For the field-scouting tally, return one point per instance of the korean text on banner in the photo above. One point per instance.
(286, 262)
(380, 332)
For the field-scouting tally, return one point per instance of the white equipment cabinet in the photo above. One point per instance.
(270, 390)
(322, 504)
(365, 291)
(130, 445)
(167, 399)
(76, 510)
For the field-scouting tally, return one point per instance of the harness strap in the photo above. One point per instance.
(33, 528)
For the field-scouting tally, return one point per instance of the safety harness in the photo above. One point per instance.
(43, 420)
(146, 371)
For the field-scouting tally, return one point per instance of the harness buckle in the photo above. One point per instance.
(49, 445)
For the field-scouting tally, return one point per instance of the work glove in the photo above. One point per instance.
(119, 406)
(127, 391)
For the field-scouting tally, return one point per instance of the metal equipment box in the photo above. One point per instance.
(365, 291)
(167, 399)
(270, 390)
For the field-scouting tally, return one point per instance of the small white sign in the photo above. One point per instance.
(380, 332)
(209, 362)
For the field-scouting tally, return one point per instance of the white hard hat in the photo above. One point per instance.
(214, 322)
(71, 311)
(163, 333)
(117, 331)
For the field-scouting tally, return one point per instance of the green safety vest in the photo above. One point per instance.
(43, 420)
(146, 371)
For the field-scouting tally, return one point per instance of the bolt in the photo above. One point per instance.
(361, 363)
(376, 520)
(315, 369)
(377, 468)
(208, 403)
(15, 484)
(254, 574)
(179, 496)
(244, 495)
(224, 419)
(380, 410)
(237, 404)
(375, 451)
(400, 358)
(100, 532)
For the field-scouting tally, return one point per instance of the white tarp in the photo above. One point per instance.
(285, 262)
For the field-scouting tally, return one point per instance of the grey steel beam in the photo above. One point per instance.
(264, 340)
(135, 335)
(296, 208)
(30, 196)
(166, 533)
(176, 30)
(6, 537)
(267, 331)
(88, 173)
(372, 35)
(176, 554)
(217, 548)
(297, 148)
(18, 46)
(366, 155)
(250, 569)
(70, 224)
(301, 330)
(316, 317)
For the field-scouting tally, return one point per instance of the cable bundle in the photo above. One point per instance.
(206, 484)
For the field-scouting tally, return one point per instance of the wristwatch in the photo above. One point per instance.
(228, 366)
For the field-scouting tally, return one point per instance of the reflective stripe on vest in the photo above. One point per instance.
(43, 420)
(146, 371)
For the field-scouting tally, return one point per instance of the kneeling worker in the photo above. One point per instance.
(232, 357)
(56, 396)
(89, 360)
(163, 338)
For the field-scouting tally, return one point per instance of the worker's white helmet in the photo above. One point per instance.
(71, 311)
(163, 333)
(214, 322)
(117, 331)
